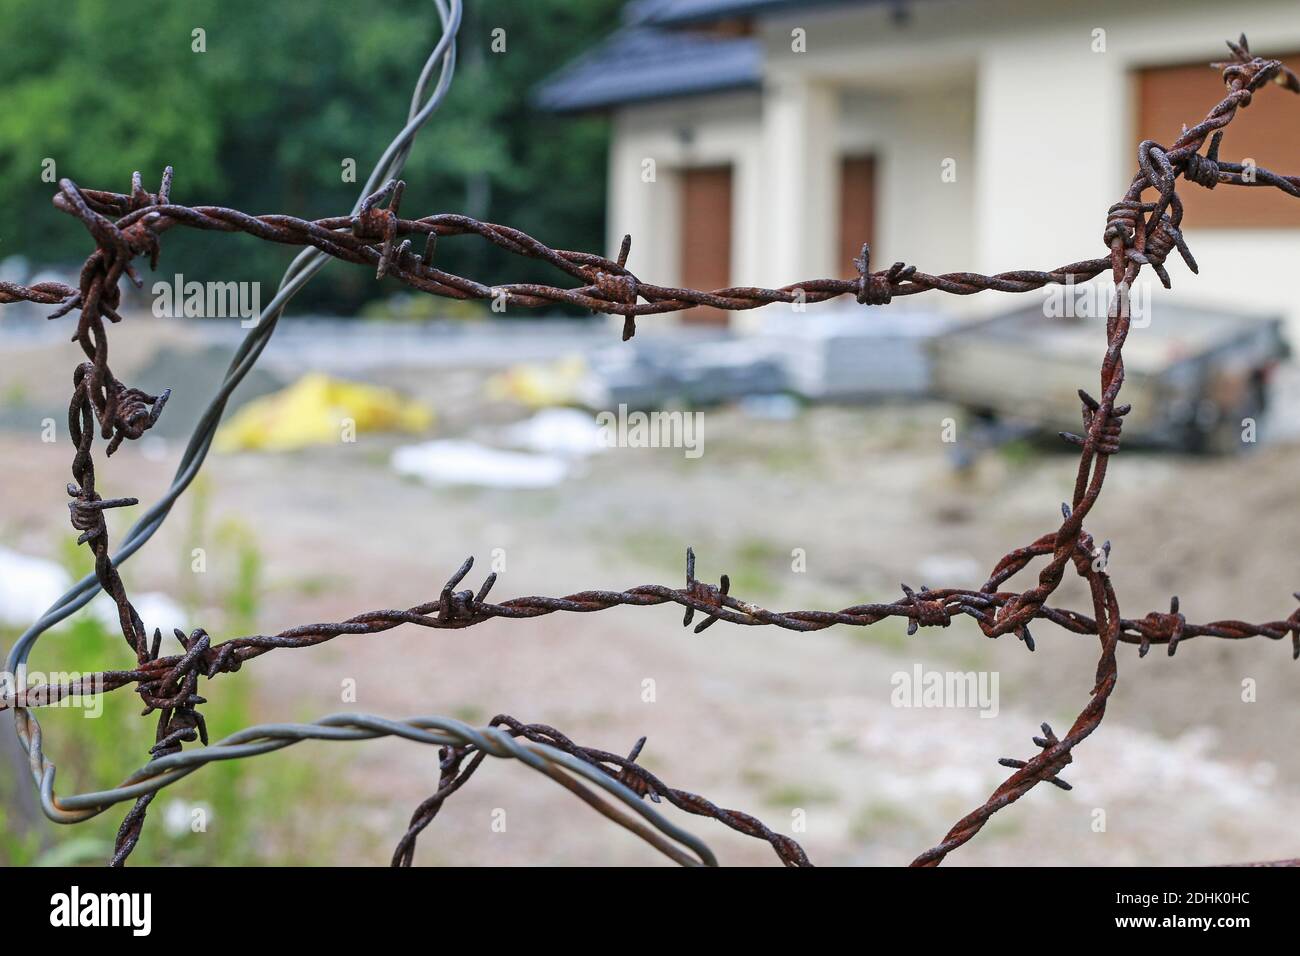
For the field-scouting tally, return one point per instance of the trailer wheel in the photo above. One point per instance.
(1224, 436)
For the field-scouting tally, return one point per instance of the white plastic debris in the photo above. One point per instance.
(949, 568)
(777, 407)
(180, 817)
(557, 431)
(457, 462)
(156, 610)
(28, 586)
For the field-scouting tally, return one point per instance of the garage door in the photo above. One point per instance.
(706, 235)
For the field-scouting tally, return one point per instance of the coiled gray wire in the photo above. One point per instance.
(440, 731)
(305, 265)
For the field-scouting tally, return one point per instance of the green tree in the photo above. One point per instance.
(264, 118)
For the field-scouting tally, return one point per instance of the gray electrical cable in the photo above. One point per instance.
(266, 738)
(305, 265)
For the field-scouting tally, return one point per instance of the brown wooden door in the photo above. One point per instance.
(706, 236)
(857, 212)
(1268, 131)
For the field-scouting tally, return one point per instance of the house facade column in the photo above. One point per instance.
(643, 202)
(799, 216)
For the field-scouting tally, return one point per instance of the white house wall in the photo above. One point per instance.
(912, 135)
(702, 131)
(1053, 122)
(1039, 124)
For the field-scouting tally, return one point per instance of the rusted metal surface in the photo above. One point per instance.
(43, 293)
(455, 772)
(1138, 234)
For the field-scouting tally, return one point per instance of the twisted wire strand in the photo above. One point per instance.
(1138, 234)
(42, 293)
(424, 102)
(625, 769)
(455, 610)
(608, 287)
(102, 272)
(559, 763)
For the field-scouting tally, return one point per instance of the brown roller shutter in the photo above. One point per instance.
(706, 235)
(857, 210)
(1267, 131)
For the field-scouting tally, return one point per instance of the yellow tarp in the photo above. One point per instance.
(539, 385)
(319, 410)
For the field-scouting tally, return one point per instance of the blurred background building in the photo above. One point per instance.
(980, 135)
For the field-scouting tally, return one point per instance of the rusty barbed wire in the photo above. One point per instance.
(42, 293)
(1138, 233)
(157, 677)
(628, 772)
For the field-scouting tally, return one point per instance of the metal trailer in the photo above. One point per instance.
(1192, 375)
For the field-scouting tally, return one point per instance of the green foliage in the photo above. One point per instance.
(17, 848)
(241, 600)
(258, 811)
(263, 120)
(245, 801)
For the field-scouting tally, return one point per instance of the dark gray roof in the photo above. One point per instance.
(693, 11)
(654, 55)
(641, 63)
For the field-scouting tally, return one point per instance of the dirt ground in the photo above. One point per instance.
(1182, 770)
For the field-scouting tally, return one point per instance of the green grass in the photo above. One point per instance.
(797, 795)
(470, 714)
(754, 565)
(1019, 453)
(15, 394)
(260, 810)
(878, 817)
(889, 634)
